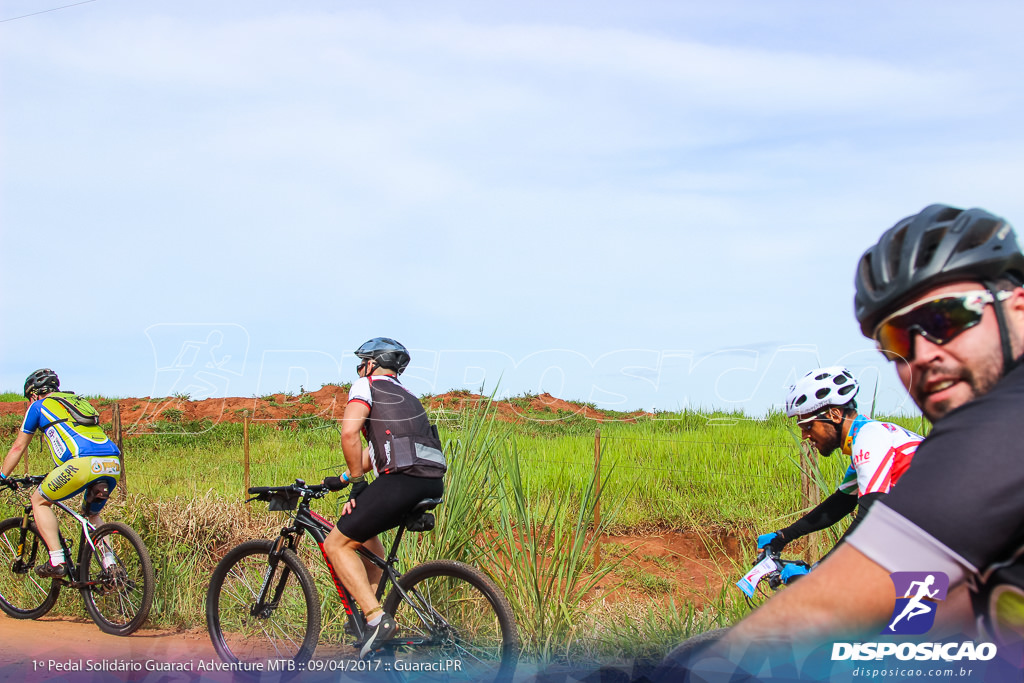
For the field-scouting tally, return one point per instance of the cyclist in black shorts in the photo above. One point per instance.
(941, 295)
(404, 453)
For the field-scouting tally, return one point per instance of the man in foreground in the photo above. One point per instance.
(940, 293)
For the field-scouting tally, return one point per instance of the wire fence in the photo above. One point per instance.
(651, 457)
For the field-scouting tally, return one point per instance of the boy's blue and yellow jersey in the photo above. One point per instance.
(66, 437)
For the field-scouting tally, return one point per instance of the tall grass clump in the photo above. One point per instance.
(471, 491)
(542, 554)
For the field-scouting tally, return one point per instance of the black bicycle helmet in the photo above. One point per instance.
(387, 353)
(42, 381)
(939, 245)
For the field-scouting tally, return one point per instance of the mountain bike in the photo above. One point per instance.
(111, 569)
(262, 605)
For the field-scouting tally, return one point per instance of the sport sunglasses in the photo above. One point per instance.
(820, 416)
(937, 320)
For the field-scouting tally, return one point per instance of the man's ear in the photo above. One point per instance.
(1016, 300)
(1014, 309)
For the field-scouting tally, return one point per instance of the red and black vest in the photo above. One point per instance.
(403, 438)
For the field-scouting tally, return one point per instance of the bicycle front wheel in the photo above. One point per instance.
(246, 630)
(453, 623)
(119, 579)
(23, 595)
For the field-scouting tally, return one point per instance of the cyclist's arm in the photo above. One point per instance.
(825, 514)
(847, 594)
(17, 450)
(863, 504)
(355, 415)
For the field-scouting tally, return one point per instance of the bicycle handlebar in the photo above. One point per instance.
(774, 577)
(300, 487)
(28, 480)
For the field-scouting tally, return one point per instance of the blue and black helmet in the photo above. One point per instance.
(385, 352)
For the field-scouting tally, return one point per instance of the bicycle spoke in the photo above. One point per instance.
(121, 579)
(23, 595)
(453, 613)
(9, 556)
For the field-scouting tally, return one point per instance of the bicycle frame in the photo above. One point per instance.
(84, 540)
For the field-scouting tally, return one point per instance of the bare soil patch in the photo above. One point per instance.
(328, 402)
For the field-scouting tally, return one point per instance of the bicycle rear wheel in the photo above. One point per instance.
(23, 595)
(286, 625)
(120, 577)
(454, 624)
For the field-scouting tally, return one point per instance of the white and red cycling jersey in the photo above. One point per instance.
(880, 452)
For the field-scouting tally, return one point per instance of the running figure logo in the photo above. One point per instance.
(914, 613)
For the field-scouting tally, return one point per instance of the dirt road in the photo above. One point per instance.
(60, 648)
(63, 649)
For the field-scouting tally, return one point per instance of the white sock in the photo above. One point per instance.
(375, 620)
(56, 557)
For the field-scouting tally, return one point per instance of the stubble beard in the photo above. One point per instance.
(972, 384)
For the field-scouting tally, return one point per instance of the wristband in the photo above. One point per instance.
(356, 480)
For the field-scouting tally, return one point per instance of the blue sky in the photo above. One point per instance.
(643, 205)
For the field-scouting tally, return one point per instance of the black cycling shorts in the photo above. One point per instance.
(385, 503)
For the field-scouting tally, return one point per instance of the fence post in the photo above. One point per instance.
(597, 492)
(116, 428)
(245, 452)
(805, 490)
(809, 494)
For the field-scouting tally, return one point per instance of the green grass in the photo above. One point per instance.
(678, 471)
(645, 582)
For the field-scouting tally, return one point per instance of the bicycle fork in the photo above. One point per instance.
(262, 608)
(27, 556)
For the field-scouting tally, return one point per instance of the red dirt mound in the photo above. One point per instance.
(137, 414)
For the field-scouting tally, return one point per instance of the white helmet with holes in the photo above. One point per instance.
(831, 386)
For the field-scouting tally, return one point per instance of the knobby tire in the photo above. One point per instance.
(120, 596)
